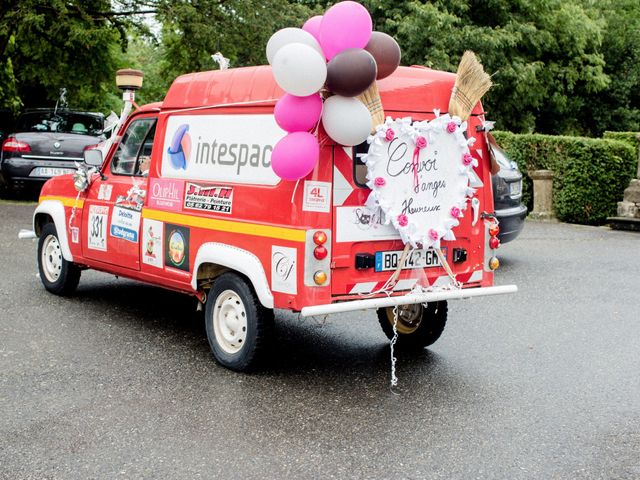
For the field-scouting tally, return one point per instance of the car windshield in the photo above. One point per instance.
(61, 122)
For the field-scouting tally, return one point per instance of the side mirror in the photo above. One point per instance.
(93, 157)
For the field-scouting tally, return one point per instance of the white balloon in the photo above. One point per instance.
(299, 69)
(290, 35)
(346, 120)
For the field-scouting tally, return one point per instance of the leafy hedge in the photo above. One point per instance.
(590, 173)
(629, 137)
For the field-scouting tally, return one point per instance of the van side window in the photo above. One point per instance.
(359, 167)
(133, 146)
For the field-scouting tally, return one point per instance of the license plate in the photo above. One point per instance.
(515, 188)
(415, 259)
(50, 171)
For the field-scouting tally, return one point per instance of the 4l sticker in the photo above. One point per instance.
(316, 196)
(125, 224)
(97, 227)
(176, 247)
(210, 198)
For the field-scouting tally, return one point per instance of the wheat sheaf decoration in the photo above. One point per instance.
(472, 82)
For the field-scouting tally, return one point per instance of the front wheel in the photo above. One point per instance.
(417, 326)
(57, 274)
(238, 326)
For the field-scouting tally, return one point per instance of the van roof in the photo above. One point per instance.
(408, 89)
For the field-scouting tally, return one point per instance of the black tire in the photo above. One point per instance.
(418, 327)
(57, 274)
(238, 326)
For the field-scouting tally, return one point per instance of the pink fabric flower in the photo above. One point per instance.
(421, 142)
(455, 212)
(379, 182)
(389, 135)
(433, 235)
(451, 127)
(467, 159)
(403, 221)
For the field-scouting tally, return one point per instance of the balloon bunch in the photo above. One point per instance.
(357, 57)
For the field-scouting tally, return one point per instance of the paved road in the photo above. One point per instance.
(118, 381)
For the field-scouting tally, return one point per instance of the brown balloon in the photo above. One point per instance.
(351, 72)
(386, 51)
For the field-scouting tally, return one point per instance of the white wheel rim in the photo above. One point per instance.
(230, 321)
(51, 258)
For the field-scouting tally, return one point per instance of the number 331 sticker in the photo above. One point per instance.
(97, 227)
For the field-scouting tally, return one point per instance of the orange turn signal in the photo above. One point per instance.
(320, 277)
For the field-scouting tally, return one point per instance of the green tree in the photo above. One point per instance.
(239, 29)
(544, 55)
(49, 44)
(618, 107)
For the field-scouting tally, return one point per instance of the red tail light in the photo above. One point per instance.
(494, 243)
(320, 252)
(11, 144)
(319, 238)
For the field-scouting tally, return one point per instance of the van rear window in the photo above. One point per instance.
(359, 167)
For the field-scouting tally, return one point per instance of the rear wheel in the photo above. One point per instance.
(417, 326)
(238, 326)
(57, 274)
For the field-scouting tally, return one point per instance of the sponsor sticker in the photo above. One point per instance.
(221, 148)
(97, 227)
(211, 198)
(284, 269)
(104, 193)
(152, 235)
(316, 196)
(166, 194)
(176, 246)
(134, 199)
(125, 223)
(356, 224)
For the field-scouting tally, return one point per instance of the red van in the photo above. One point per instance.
(186, 199)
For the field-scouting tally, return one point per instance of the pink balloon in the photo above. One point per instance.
(298, 114)
(313, 26)
(295, 155)
(345, 25)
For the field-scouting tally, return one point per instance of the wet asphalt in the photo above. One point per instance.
(118, 381)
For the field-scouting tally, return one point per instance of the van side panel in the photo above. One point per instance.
(270, 221)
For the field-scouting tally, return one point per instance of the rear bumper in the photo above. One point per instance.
(511, 222)
(410, 298)
(18, 169)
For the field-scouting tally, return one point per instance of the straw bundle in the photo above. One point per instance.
(371, 99)
(472, 82)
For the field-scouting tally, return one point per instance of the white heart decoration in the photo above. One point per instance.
(419, 176)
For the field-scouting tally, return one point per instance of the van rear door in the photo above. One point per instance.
(366, 251)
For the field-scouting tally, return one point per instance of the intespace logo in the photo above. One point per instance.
(180, 148)
(221, 148)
